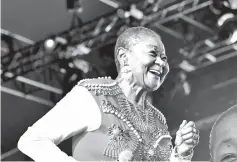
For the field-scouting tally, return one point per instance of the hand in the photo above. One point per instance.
(187, 137)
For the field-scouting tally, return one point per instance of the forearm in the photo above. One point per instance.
(42, 150)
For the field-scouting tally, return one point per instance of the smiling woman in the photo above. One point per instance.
(112, 119)
(144, 52)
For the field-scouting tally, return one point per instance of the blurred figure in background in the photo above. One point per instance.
(223, 137)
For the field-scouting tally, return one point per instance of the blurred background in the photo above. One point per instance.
(48, 46)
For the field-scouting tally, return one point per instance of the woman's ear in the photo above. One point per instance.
(121, 56)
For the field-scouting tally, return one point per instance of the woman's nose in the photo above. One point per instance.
(160, 62)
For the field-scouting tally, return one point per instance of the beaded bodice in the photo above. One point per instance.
(144, 132)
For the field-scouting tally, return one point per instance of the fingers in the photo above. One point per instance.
(187, 134)
(183, 124)
(188, 130)
(190, 136)
(191, 141)
(189, 124)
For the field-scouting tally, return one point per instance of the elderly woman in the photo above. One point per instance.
(111, 119)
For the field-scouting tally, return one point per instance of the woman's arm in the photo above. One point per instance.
(67, 118)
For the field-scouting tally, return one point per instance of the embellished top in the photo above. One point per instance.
(124, 128)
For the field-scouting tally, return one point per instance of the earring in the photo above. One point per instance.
(125, 68)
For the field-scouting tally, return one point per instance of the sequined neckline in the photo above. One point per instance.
(145, 104)
(131, 103)
(111, 87)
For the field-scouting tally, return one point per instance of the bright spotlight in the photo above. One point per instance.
(49, 44)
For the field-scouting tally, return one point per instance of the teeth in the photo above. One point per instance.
(156, 72)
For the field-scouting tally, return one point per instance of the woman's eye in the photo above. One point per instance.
(229, 158)
(153, 53)
(164, 58)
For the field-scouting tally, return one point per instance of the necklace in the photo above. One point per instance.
(143, 120)
(140, 110)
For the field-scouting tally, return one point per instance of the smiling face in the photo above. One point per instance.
(225, 140)
(148, 62)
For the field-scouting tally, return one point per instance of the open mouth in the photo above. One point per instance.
(155, 72)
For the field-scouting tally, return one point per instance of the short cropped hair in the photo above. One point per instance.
(224, 115)
(129, 37)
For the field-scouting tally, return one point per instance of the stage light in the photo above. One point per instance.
(224, 18)
(228, 29)
(227, 20)
(61, 40)
(123, 14)
(81, 49)
(52, 43)
(232, 4)
(49, 44)
(136, 13)
(223, 6)
(63, 70)
(9, 74)
(111, 25)
(210, 57)
(233, 38)
(209, 43)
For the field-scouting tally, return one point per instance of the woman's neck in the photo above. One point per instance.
(134, 93)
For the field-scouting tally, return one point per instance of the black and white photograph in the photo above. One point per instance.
(119, 80)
